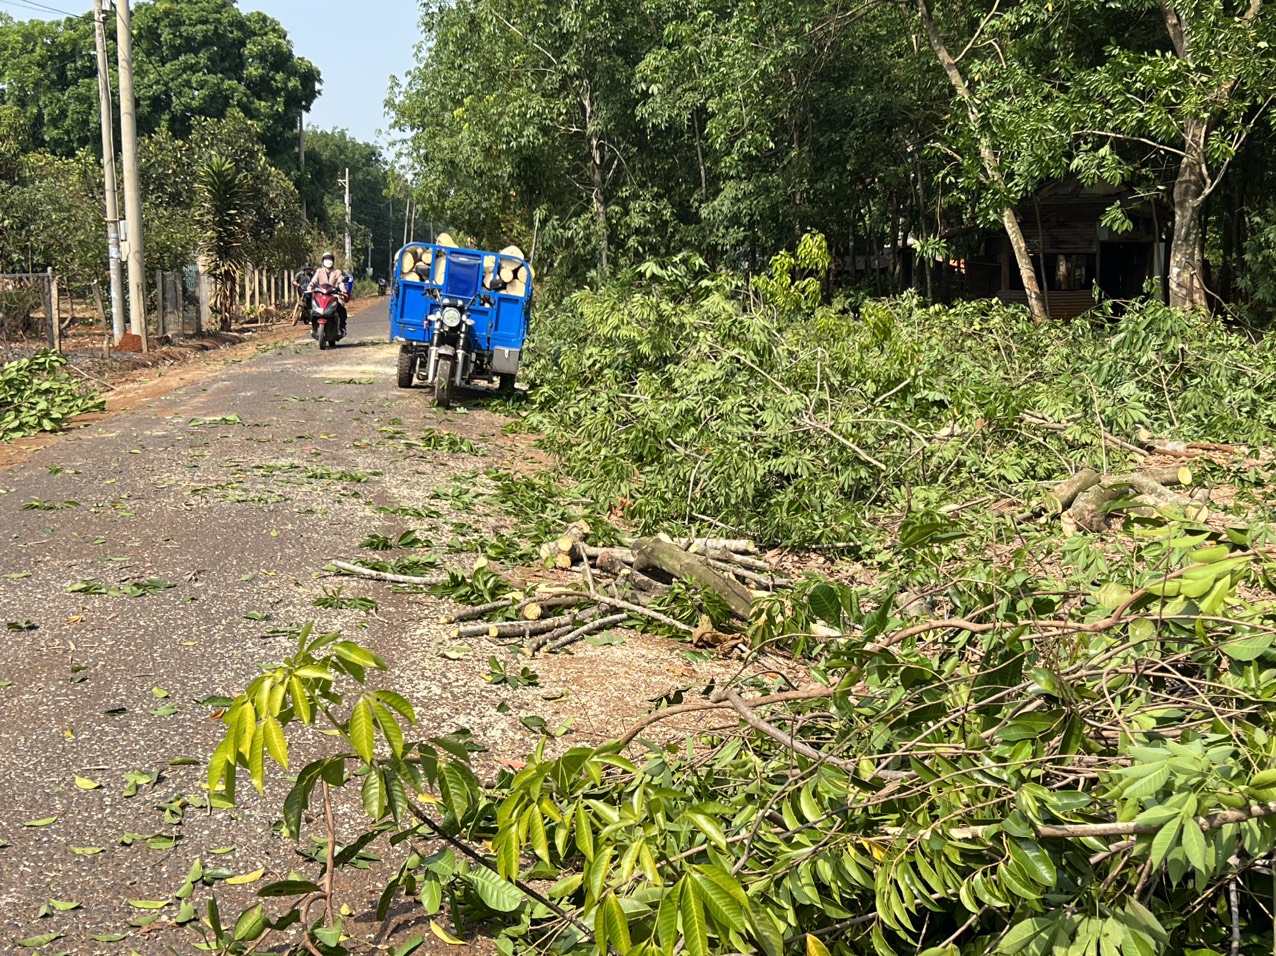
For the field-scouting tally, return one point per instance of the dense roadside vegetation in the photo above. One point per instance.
(708, 401)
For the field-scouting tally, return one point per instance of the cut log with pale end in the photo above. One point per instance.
(1059, 498)
(563, 561)
(1170, 477)
(652, 554)
(574, 533)
(1088, 509)
(532, 612)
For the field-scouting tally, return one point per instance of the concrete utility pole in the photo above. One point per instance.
(132, 186)
(301, 159)
(346, 182)
(108, 170)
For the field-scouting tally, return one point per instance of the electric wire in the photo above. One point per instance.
(45, 8)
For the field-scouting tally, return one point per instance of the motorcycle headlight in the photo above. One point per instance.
(451, 317)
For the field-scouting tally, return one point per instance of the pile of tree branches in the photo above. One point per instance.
(697, 588)
(798, 423)
(38, 394)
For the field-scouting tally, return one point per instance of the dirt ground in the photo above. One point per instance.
(240, 517)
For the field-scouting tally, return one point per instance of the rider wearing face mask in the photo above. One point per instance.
(327, 274)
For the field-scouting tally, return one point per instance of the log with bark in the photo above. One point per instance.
(1059, 498)
(666, 558)
(1088, 498)
(1089, 510)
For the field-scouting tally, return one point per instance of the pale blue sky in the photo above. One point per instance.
(375, 41)
(357, 47)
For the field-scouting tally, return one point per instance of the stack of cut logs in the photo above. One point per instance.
(1088, 499)
(510, 268)
(618, 583)
(418, 262)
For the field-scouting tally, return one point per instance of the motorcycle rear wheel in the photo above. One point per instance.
(443, 383)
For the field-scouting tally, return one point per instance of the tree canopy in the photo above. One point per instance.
(618, 131)
(203, 58)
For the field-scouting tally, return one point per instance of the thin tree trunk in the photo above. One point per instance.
(599, 198)
(1187, 247)
(992, 166)
(704, 175)
(598, 194)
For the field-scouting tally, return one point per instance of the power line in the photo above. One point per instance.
(42, 7)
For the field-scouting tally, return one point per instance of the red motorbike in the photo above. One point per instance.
(327, 315)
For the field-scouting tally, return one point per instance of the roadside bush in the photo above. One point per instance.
(38, 395)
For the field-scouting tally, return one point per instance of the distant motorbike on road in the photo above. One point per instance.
(326, 308)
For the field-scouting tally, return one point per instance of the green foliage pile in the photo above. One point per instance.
(700, 398)
(37, 394)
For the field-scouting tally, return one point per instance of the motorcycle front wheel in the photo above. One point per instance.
(322, 335)
(443, 382)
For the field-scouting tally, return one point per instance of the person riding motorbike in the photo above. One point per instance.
(327, 274)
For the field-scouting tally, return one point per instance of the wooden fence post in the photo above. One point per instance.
(97, 302)
(180, 288)
(159, 301)
(204, 295)
(55, 313)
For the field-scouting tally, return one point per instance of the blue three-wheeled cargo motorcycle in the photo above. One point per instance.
(459, 315)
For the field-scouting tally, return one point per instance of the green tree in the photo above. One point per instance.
(224, 220)
(1189, 83)
(329, 153)
(203, 58)
(543, 122)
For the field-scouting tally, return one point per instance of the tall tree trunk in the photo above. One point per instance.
(991, 164)
(599, 198)
(1187, 247)
(597, 173)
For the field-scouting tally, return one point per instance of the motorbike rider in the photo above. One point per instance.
(328, 274)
